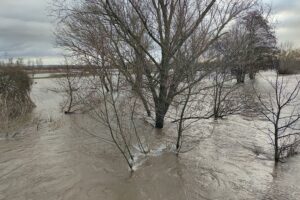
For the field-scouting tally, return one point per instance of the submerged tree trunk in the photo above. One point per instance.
(105, 84)
(216, 100)
(70, 103)
(145, 104)
(138, 91)
(159, 120)
(181, 121)
(160, 113)
(252, 75)
(240, 76)
(276, 148)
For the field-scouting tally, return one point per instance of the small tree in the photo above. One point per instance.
(70, 85)
(116, 110)
(281, 110)
(224, 95)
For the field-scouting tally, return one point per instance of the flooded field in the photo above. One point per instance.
(69, 157)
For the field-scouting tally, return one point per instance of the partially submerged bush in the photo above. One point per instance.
(15, 86)
(287, 68)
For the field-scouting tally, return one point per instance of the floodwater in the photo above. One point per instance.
(56, 158)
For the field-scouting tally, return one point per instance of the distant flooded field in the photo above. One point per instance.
(70, 157)
(46, 75)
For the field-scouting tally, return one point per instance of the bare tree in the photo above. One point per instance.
(70, 86)
(182, 107)
(280, 107)
(219, 93)
(116, 110)
(168, 31)
(225, 93)
(189, 107)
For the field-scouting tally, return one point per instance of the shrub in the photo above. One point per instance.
(286, 71)
(15, 87)
(289, 60)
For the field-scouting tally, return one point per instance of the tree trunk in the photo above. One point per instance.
(70, 103)
(277, 155)
(161, 109)
(138, 90)
(161, 103)
(145, 104)
(277, 158)
(240, 77)
(216, 99)
(70, 95)
(252, 75)
(102, 78)
(159, 122)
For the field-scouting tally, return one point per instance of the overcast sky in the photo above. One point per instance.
(26, 30)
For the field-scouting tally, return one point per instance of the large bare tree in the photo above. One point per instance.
(151, 43)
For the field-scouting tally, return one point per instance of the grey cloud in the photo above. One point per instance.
(287, 16)
(26, 30)
(25, 10)
(284, 5)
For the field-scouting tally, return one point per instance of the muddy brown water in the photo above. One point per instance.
(59, 161)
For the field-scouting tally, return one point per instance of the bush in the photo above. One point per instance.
(15, 87)
(289, 67)
(286, 71)
(289, 61)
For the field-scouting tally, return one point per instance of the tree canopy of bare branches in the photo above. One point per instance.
(153, 44)
(280, 108)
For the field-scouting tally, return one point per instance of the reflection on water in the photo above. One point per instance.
(59, 160)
